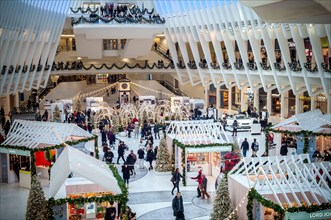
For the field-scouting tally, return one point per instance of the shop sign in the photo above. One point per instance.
(323, 214)
(13, 151)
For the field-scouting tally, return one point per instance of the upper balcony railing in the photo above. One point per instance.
(116, 15)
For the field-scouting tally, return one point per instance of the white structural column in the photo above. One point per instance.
(243, 99)
(256, 100)
(284, 105)
(17, 100)
(297, 104)
(312, 103)
(230, 99)
(206, 97)
(328, 102)
(218, 99)
(269, 99)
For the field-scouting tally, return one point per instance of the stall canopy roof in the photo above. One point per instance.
(32, 134)
(73, 160)
(197, 132)
(285, 177)
(309, 121)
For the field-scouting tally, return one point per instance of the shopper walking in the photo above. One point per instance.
(234, 127)
(109, 156)
(199, 180)
(150, 157)
(245, 147)
(204, 187)
(283, 148)
(156, 131)
(120, 151)
(126, 173)
(178, 206)
(255, 146)
(141, 156)
(175, 179)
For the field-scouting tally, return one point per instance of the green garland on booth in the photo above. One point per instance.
(173, 158)
(183, 146)
(71, 143)
(305, 134)
(33, 165)
(253, 194)
(122, 198)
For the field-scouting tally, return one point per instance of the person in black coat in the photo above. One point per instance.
(245, 147)
(175, 180)
(150, 157)
(120, 151)
(141, 157)
(283, 148)
(156, 131)
(130, 161)
(109, 156)
(110, 212)
(126, 173)
(178, 206)
(7, 127)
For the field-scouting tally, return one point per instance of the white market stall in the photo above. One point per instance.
(94, 103)
(305, 132)
(277, 186)
(92, 185)
(197, 145)
(34, 143)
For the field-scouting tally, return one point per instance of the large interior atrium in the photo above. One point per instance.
(103, 102)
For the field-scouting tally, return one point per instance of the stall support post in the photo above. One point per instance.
(284, 105)
(33, 164)
(230, 99)
(256, 100)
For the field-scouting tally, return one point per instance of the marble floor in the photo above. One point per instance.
(149, 191)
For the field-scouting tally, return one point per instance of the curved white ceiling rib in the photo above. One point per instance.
(215, 22)
(30, 32)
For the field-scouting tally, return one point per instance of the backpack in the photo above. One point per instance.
(256, 146)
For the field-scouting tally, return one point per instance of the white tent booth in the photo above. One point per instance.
(286, 181)
(89, 179)
(39, 143)
(314, 122)
(200, 144)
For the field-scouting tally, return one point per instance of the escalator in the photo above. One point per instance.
(170, 87)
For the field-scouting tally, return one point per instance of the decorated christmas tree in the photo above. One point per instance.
(56, 114)
(163, 163)
(78, 106)
(37, 204)
(222, 208)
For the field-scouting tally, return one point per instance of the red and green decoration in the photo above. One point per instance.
(183, 146)
(122, 198)
(253, 194)
(306, 134)
(46, 149)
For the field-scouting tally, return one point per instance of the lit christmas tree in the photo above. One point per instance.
(37, 204)
(222, 207)
(56, 114)
(163, 163)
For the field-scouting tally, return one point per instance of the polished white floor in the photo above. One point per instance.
(150, 195)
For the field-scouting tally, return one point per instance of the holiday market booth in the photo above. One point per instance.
(197, 145)
(279, 187)
(83, 187)
(305, 132)
(32, 146)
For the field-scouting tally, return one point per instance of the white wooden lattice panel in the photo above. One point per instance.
(197, 132)
(30, 134)
(281, 176)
